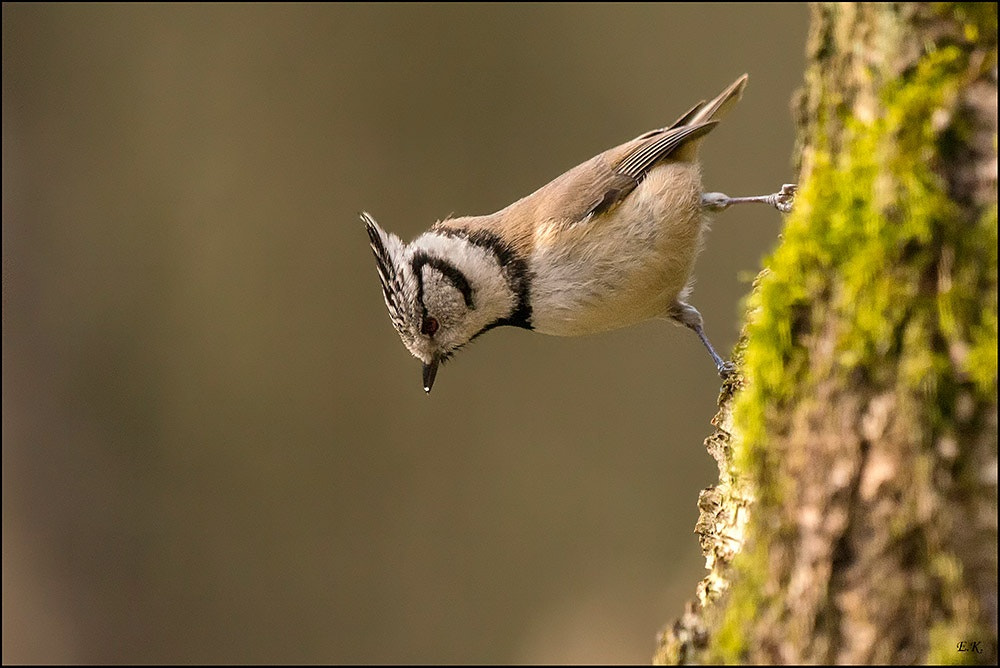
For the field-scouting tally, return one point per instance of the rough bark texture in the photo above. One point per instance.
(855, 520)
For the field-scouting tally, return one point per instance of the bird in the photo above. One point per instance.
(610, 243)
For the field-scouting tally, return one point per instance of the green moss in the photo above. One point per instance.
(981, 362)
(729, 642)
(978, 19)
(863, 248)
(962, 625)
(944, 647)
(878, 264)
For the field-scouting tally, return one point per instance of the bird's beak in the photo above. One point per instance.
(430, 370)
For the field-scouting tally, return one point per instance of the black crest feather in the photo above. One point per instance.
(388, 272)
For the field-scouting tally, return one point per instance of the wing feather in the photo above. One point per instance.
(628, 173)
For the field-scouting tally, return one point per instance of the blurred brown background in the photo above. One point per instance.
(215, 447)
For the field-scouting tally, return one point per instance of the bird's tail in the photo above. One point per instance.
(719, 106)
(704, 112)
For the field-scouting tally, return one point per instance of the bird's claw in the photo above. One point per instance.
(784, 199)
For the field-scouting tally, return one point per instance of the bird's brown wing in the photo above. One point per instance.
(587, 190)
(602, 182)
(628, 164)
(629, 170)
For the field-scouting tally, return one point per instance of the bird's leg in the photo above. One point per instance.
(781, 200)
(689, 316)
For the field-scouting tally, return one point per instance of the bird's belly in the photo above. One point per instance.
(628, 266)
(587, 304)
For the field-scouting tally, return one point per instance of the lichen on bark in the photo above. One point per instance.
(856, 516)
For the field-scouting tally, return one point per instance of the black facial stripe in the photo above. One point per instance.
(448, 270)
(515, 271)
(420, 286)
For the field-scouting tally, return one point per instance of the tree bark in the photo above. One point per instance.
(855, 519)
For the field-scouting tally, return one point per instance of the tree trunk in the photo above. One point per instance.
(855, 519)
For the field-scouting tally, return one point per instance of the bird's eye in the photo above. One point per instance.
(429, 326)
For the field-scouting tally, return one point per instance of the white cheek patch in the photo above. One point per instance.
(491, 295)
(442, 298)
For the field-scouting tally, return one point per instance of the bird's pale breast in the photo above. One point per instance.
(624, 266)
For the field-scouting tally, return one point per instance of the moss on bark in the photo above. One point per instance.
(856, 516)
